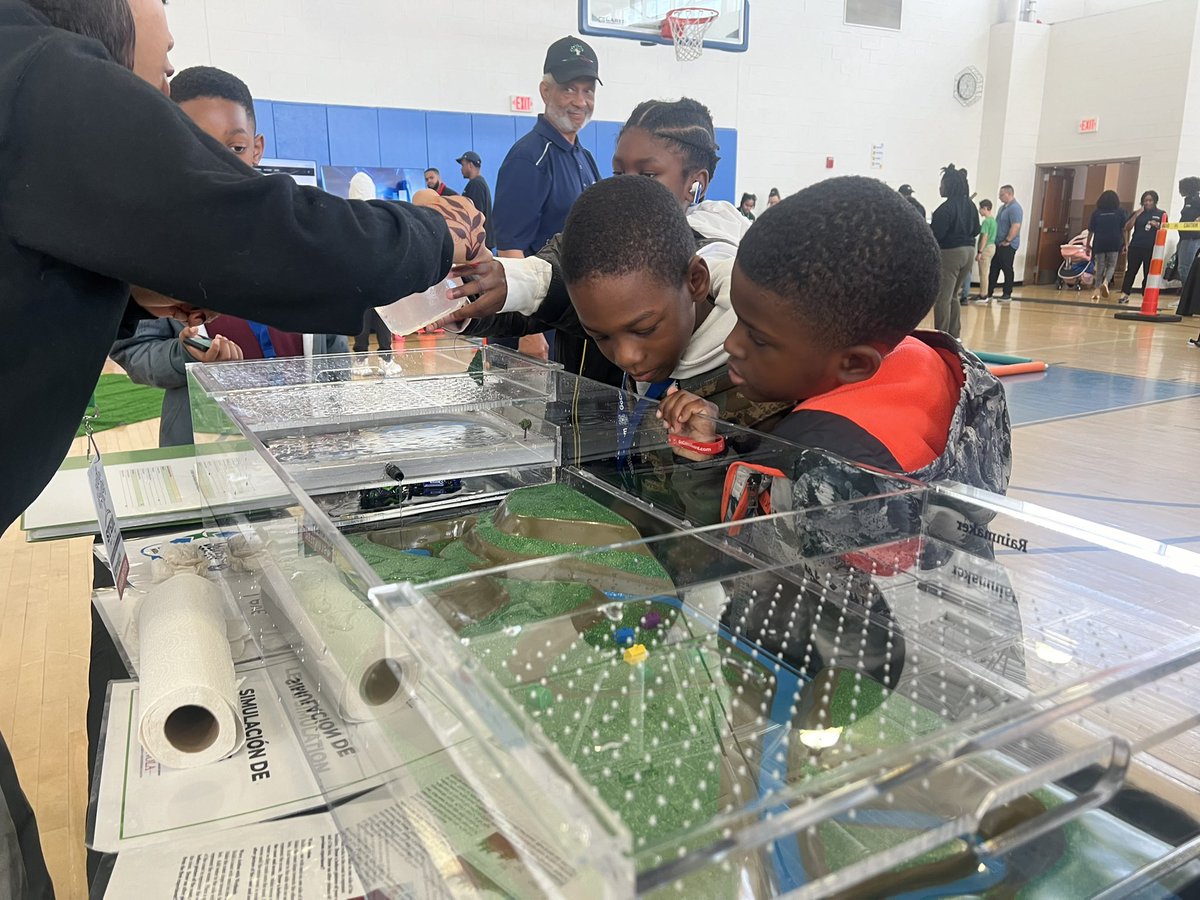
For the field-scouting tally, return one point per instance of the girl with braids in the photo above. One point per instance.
(672, 142)
(955, 226)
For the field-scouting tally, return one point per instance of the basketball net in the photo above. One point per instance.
(688, 27)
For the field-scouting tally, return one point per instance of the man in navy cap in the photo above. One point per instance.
(478, 191)
(547, 169)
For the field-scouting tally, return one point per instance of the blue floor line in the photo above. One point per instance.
(1096, 412)
(1065, 392)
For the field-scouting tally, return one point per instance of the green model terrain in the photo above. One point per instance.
(675, 739)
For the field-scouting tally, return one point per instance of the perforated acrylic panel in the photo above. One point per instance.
(919, 690)
(440, 419)
(643, 20)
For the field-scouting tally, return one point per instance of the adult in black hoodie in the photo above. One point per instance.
(105, 183)
(955, 225)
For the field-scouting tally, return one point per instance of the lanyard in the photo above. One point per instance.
(628, 421)
(264, 339)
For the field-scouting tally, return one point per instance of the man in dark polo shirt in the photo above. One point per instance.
(547, 169)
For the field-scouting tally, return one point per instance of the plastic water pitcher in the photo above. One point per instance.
(416, 311)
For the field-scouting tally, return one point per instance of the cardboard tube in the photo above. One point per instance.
(188, 696)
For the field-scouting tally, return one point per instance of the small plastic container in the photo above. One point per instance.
(415, 311)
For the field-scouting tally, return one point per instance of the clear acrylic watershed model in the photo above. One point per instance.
(561, 675)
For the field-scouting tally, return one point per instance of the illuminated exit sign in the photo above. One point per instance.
(521, 104)
(1089, 126)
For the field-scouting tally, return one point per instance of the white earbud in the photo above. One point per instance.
(695, 192)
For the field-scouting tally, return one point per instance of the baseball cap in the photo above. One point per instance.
(470, 156)
(905, 189)
(570, 58)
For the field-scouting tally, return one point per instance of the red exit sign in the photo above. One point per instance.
(1089, 126)
(521, 104)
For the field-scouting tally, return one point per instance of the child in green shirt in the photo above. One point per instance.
(986, 248)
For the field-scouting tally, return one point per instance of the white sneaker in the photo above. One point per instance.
(391, 367)
(982, 301)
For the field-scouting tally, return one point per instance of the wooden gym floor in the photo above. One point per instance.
(1111, 433)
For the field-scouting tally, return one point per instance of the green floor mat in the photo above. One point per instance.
(121, 402)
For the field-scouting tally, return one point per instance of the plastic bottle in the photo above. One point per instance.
(415, 311)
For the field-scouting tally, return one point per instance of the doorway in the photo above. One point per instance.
(1065, 197)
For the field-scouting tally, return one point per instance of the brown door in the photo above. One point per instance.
(1053, 223)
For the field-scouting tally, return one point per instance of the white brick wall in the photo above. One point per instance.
(1138, 92)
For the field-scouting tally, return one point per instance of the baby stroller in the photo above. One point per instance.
(1077, 266)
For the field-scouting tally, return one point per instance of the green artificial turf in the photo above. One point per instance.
(396, 565)
(561, 503)
(457, 551)
(532, 601)
(621, 560)
(118, 401)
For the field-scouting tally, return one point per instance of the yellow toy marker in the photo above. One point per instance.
(636, 654)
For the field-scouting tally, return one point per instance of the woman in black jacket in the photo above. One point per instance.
(955, 226)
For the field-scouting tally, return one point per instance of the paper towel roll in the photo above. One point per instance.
(189, 715)
(344, 644)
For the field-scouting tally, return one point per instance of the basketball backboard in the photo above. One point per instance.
(643, 20)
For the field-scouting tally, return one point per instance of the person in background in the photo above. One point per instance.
(1008, 241)
(156, 354)
(1141, 230)
(746, 207)
(1105, 240)
(478, 191)
(433, 181)
(372, 323)
(547, 169)
(773, 197)
(906, 191)
(1189, 241)
(985, 249)
(955, 227)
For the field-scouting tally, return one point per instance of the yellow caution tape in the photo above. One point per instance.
(1182, 226)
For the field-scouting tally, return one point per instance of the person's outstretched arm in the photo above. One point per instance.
(99, 170)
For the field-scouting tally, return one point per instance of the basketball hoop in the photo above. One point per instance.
(687, 28)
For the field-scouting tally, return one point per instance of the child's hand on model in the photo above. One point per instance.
(689, 417)
(222, 349)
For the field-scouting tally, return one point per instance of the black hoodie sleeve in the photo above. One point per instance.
(99, 170)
